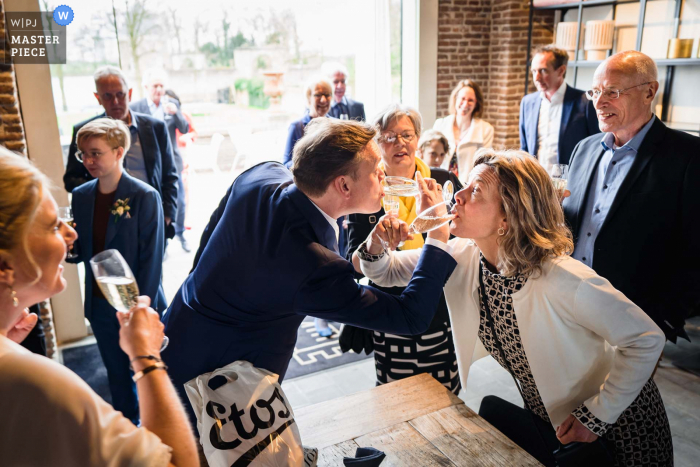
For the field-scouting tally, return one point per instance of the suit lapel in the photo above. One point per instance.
(647, 150)
(123, 192)
(321, 227)
(566, 111)
(532, 131)
(148, 144)
(86, 229)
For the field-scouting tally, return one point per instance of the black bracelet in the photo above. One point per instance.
(145, 371)
(143, 357)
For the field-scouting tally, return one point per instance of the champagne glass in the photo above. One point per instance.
(65, 214)
(117, 283)
(391, 205)
(402, 186)
(559, 173)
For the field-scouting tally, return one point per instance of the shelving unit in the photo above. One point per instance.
(669, 64)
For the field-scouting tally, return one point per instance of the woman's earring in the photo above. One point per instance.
(501, 231)
(13, 294)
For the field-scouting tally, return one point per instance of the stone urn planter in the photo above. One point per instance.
(273, 87)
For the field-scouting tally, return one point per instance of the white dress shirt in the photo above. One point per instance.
(548, 127)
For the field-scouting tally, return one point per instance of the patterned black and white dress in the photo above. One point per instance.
(641, 436)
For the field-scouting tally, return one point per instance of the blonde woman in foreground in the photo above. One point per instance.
(40, 399)
(582, 353)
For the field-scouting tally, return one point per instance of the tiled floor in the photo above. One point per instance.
(680, 391)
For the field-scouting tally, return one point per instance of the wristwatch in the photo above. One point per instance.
(364, 255)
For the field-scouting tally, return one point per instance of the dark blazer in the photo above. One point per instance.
(356, 110)
(174, 122)
(360, 226)
(649, 244)
(157, 152)
(139, 238)
(294, 134)
(269, 261)
(578, 121)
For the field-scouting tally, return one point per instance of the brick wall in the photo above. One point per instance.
(486, 41)
(11, 127)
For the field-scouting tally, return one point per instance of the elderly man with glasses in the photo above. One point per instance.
(634, 207)
(150, 157)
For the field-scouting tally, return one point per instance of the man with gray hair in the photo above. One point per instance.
(342, 107)
(150, 157)
(159, 106)
(635, 196)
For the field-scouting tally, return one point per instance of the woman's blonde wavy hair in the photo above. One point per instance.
(537, 229)
(21, 190)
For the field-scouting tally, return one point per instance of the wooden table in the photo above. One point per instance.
(415, 421)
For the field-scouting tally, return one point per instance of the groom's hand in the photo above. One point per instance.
(388, 234)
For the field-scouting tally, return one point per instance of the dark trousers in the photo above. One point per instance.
(106, 329)
(35, 340)
(179, 221)
(518, 424)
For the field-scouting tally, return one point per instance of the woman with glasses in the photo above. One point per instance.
(464, 128)
(318, 96)
(397, 357)
(116, 211)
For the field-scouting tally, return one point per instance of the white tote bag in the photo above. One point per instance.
(244, 419)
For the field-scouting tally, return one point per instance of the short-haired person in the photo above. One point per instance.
(464, 128)
(167, 109)
(432, 148)
(342, 106)
(556, 117)
(433, 351)
(40, 399)
(254, 282)
(150, 157)
(635, 196)
(582, 352)
(319, 92)
(116, 211)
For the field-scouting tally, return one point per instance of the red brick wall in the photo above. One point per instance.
(11, 127)
(486, 40)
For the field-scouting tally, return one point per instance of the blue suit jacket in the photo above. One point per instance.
(267, 259)
(578, 121)
(139, 239)
(157, 153)
(356, 110)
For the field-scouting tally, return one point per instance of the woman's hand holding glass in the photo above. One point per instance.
(141, 331)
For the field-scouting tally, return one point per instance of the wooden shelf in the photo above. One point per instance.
(569, 6)
(659, 62)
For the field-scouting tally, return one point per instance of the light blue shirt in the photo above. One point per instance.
(157, 111)
(609, 175)
(134, 163)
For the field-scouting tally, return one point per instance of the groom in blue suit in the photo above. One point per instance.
(555, 118)
(269, 258)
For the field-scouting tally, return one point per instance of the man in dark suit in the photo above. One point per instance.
(269, 258)
(556, 117)
(167, 110)
(150, 158)
(342, 106)
(635, 196)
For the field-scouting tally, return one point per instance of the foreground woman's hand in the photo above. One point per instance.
(572, 430)
(23, 326)
(141, 331)
(388, 233)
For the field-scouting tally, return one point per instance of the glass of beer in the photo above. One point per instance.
(117, 283)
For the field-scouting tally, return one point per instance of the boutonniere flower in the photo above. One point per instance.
(121, 209)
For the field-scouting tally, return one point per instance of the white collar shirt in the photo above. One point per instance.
(548, 127)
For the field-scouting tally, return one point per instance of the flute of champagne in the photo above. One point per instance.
(117, 283)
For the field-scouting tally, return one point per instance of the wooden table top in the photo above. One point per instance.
(415, 421)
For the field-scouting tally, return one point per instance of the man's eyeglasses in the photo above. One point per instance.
(390, 138)
(108, 96)
(594, 94)
(95, 155)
